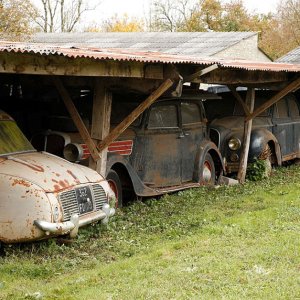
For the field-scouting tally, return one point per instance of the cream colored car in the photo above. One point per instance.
(42, 195)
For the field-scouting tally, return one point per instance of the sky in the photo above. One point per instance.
(139, 8)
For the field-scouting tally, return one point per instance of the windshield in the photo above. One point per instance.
(12, 139)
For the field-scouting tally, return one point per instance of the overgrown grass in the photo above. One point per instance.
(239, 242)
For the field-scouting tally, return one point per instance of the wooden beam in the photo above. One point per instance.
(118, 130)
(288, 89)
(76, 118)
(242, 77)
(100, 121)
(239, 99)
(36, 64)
(200, 73)
(250, 100)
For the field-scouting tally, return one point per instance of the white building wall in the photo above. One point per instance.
(245, 49)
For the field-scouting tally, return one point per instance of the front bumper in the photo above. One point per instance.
(75, 222)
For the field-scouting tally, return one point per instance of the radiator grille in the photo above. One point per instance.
(99, 196)
(69, 202)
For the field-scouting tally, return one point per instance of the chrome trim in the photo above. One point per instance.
(75, 222)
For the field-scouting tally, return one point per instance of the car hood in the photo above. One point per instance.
(50, 172)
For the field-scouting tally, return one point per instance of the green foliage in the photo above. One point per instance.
(258, 170)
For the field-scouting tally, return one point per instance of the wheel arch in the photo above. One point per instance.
(204, 148)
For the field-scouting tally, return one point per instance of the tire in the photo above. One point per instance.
(114, 182)
(207, 172)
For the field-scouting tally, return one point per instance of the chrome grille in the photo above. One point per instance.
(99, 196)
(69, 202)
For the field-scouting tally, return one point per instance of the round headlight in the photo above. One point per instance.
(234, 144)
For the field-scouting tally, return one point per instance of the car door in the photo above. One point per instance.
(283, 128)
(161, 146)
(193, 132)
(295, 118)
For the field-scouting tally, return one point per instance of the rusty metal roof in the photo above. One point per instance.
(141, 56)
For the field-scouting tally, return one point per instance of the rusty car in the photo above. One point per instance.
(275, 135)
(42, 195)
(166, 149)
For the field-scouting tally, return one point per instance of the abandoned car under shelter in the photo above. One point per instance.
(162, 145)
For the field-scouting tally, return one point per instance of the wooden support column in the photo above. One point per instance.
(76, 118)
(100, 122)
(250, 99)
(118, 130)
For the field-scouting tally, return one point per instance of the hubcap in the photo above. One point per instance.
(206, 172)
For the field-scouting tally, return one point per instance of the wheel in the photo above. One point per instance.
(114, 182)
(207, 173)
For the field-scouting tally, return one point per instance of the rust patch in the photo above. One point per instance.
(71, 173)
(21, 182)
(31, 166)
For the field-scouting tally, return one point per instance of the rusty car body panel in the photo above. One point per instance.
(43, 195)
(277, 130)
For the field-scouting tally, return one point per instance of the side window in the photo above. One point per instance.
(163, 116)
(281, 109)
(190, 113)
(294, 109)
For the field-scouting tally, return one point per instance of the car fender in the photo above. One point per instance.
(23, 202)
(140, 189)
(259, 140)
(204, 148)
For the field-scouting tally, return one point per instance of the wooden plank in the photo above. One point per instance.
(118, 130)
(76, 118)
(100, 122)
(200, 73)
(288, 89)
(246, 140)
(242, 77)
(239, 99)
(35, 64)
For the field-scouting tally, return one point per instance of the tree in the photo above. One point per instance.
(122, 24)
(61, 15)
(170, 15)
(15, 18)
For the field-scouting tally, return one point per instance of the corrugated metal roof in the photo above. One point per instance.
(201, 44)
(292, 57)
(144, 57)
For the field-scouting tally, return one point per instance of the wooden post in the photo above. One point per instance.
(250, 99)
(119, 129)
(100, 122)
(76, 118)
